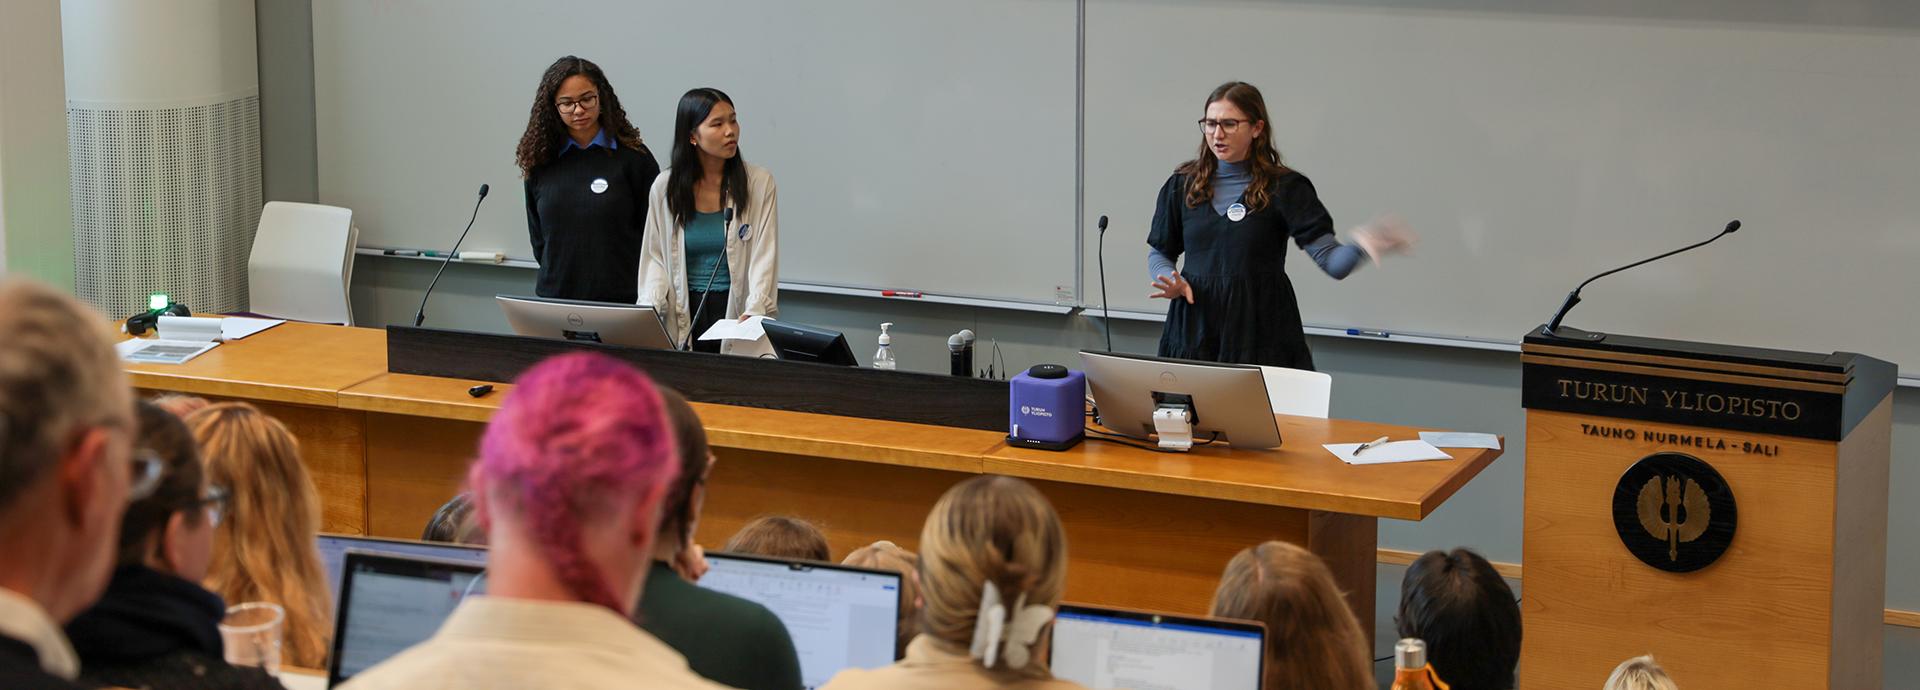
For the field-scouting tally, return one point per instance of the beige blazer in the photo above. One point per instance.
(753, 256)
(929, 665)
(492, 642)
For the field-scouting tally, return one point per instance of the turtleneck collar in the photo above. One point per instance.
(1241, 168)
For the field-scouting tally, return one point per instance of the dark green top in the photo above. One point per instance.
(726, 639)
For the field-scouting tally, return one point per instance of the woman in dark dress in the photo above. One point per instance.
(587, 176)
(1231, 211)
(155, 627)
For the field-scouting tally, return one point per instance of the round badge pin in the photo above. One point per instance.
(1236, 212)
(599, 185)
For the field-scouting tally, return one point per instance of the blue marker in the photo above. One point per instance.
(1370, 334)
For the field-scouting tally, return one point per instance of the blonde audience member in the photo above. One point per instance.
(67, 471)
(571, 476)
(885, 555)
(1313, 639)
(264, 548)
(993, 559)
(780, 536)
(180, 404)
(1640, 673)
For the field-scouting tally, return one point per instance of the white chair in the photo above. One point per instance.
(1298, 392)
(302, 263)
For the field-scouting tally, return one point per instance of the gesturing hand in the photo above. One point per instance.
(1385, 236)
(1173, 286)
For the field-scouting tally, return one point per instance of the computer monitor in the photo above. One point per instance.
(1226, 399)
(334, 547)
(839, 617)
(1116, 648)
(804, 343)
(389, 603)
(630, 325)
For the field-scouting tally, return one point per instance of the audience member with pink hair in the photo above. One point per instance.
(568, 485)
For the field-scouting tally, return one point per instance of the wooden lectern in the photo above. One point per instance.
(1722, 508)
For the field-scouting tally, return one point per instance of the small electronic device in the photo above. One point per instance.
(1046, 408)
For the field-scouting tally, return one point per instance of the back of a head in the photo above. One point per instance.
(1464, 610)
(581, 440)
(454, 523)
(989, 529)
(678, 511)
(885, 555)
(58, 375)
(780, 536)
(264, 548)
(1640, 673)
(1313, 638)
(180, 483)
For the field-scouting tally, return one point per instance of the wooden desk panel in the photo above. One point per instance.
(299, 363)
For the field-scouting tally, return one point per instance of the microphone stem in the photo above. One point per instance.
(420, 316)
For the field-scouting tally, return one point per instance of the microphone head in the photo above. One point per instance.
(1103, 224)
(728, 214)
(1735, 225)
(483, 190)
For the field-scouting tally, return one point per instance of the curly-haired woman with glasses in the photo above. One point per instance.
(1230, 211)
(587, 176)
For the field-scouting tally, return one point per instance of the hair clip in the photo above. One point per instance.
(994, 631)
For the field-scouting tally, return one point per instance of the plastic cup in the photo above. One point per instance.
(251, 633)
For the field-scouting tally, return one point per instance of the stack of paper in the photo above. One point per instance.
(1396, 451)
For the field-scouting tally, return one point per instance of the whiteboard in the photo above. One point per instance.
(1532, 151)
(917, 145)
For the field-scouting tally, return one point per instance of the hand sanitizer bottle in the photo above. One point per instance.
(883, 359)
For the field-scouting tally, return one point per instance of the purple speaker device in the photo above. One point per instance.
(1047, 407)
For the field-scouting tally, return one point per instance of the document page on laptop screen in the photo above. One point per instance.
(838, 619)
(387, 613)
(1114, 652)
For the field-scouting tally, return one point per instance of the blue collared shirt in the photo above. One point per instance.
(600, 138)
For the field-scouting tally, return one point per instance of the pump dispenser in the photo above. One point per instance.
(883, 358)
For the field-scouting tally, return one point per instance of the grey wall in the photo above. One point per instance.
(1388, 382)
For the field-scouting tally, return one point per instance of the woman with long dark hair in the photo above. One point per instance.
(712, 226)
(1231, 210)
(586, 172)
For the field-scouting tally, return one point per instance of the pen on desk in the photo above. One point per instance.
(1370, 334)
(402, 252)
(900, 293)
(1370, 444)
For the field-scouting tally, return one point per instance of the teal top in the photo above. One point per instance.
(706, 239)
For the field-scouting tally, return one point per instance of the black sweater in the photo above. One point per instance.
(155, 631)
(587, 242)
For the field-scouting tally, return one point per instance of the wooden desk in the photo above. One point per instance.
(1145, 529)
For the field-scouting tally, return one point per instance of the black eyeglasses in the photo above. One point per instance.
(1207, 126)
(588, 102)
(214, 499)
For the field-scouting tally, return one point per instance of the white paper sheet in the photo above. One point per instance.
(736, 329)
(1461, 439)
(237, 327)
(158, 351)
(1395, 451)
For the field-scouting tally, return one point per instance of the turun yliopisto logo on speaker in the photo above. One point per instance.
(1035, 411)
(1674, 512)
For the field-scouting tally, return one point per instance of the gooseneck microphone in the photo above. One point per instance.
(420, 317)
(1106, 313)
(726, 226)
(1553, 329)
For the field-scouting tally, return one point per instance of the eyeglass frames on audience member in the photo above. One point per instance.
(214, 500)
(147, 469)
(588, 102)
